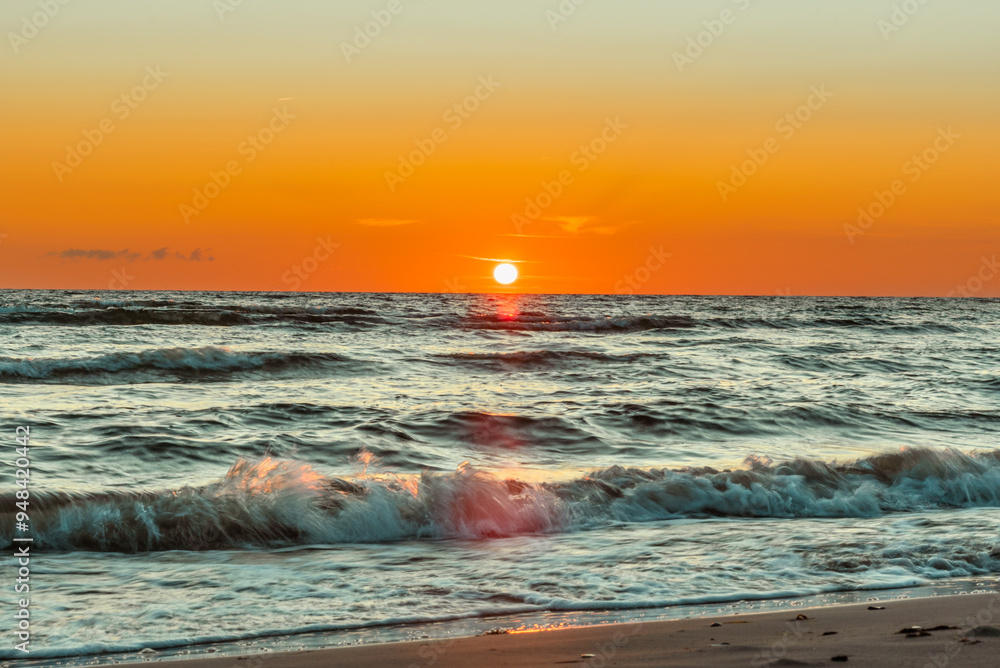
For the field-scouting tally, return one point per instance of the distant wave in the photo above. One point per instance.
(152, 312)
(640, 323)
(272, 502)
(159, 364)
(438, 314)
(125, 316)
(534, 359)
(312, 310)
(553, 323)
(113, 305)
(133, 303)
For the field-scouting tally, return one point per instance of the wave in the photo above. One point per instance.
(271, 502)
(170, 313)
(530, 360)
(494, 430)
(553, 323)
(98, 303)
(309, 310)
(440, 312)
(650, 322)
(155, 364)
(114, 304)
(125, 317)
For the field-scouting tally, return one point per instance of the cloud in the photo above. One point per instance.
(197, 255)
(488, 259)
(79, 254)
(194, 256)
(384, 222)
(542, 236)
(584, 225)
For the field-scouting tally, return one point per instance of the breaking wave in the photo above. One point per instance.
(272, 502)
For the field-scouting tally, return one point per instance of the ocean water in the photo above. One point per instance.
(226, 466)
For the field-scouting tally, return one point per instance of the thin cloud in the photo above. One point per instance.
(572, 224)
(197, 255)
(194, 256)
(384, 222)
(542, 236)
(494, 259)
(584, 225)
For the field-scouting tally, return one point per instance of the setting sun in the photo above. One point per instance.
(505, 273)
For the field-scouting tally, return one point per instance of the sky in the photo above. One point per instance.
(773, 147)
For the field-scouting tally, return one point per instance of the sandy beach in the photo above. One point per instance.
(933, 632)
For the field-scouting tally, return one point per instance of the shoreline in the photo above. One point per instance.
(865, 636)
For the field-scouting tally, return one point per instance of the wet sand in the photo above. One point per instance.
(852, 634)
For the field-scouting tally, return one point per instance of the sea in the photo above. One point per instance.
(217, 471)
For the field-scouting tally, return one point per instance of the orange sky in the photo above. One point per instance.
(308, 204)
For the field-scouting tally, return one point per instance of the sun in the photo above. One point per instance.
(505, 273)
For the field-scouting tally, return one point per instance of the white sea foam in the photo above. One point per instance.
(273, 502)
